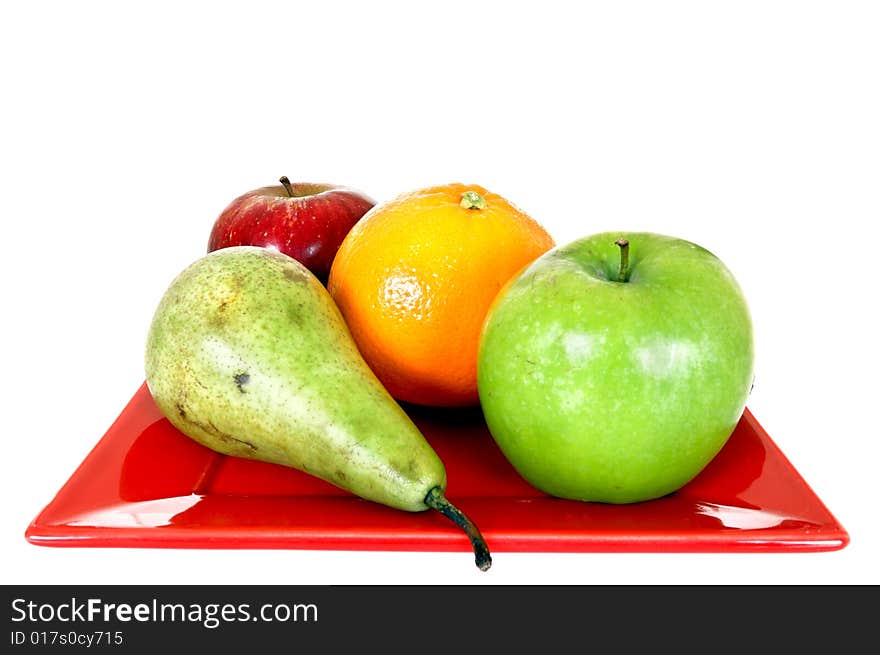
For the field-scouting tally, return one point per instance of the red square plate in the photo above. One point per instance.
(146, 485)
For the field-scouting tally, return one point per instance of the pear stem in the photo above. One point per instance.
(436, 500)
(286, 184)
(624, 259)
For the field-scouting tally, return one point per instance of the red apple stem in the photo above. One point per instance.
(436, 500)
(624, 259)
(287, 185)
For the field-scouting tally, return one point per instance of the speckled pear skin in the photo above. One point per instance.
(248, 355)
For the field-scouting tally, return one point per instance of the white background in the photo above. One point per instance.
(749, 127)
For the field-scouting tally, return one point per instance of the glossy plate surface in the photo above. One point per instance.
(146, 485)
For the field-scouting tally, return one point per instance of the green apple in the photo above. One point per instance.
(614, 368)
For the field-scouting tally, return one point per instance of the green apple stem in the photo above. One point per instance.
(472, 200)
(436, 500)
(623, 274)
(287, 185)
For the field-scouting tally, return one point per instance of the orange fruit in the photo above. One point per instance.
(414, 280)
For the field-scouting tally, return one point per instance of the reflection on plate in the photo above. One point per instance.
(146, 485)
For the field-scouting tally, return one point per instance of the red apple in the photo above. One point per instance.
(303, 220)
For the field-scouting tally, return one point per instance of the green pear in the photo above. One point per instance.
(248, 355)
